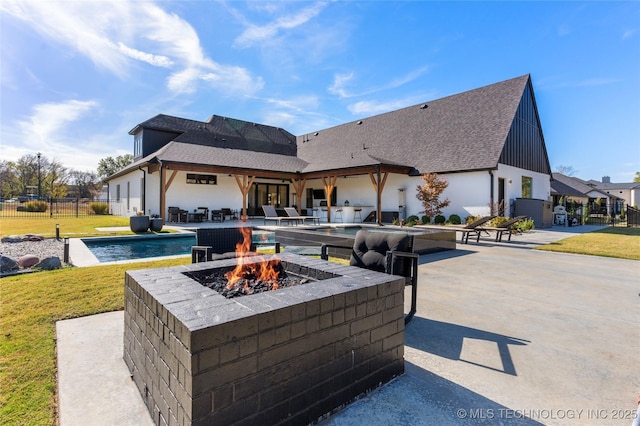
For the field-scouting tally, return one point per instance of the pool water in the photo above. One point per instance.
(140, 247)
(111, 249)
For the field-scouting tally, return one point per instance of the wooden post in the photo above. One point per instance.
(244, 186)
(164, 187)
(298, 186)
(378, 182)
(328, 190)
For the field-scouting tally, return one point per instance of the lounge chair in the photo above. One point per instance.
(507, 226)
(270, 214)
(293, 213)
(472, 228)
(389, 252)
(221, 243)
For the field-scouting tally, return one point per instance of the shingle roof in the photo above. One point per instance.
(224, 132)
(572, 186)
(462, 132)
(179, 152)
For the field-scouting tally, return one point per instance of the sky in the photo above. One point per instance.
(76, 77)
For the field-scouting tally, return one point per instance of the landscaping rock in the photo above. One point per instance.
(28, 260)
(8, 264)
(33, 237)
(49, 264)
(12, 239)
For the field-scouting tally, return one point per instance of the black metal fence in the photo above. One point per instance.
(54, 207)
(594, 213)
(633, 216)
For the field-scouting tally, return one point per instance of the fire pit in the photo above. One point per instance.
(288, 356)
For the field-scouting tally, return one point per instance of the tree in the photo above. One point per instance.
(429, 194)
(85, 184)
(565, 170)
(109, 165)
(637, 178)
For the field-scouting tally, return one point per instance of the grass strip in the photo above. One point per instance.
(620, 243)
(31, 304)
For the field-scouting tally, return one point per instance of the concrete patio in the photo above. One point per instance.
(503, 335)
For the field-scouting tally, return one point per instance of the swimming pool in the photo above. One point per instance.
(110, 249)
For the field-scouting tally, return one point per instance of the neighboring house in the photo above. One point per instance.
(487, 143)
(568, 189)
(629, 192)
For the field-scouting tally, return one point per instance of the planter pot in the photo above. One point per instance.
(139, 223)
(156, 225)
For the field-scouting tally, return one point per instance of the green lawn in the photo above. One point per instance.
(610, 242)
(32, 303)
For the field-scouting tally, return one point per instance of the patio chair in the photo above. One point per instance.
(176, 214)
(217, 216)
(228, 213)
(507, 226)
(293, 213)
(471, 228)
(389, 252)
(220, 243)
(271, 214)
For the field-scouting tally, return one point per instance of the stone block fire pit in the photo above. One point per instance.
(288, 356)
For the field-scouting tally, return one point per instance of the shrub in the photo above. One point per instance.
(411, 220)
(439, 220)
(498, 220)
(470, 219)
(35, 206)
(425, 220)
(524, 225)
(454, 219)
(99, 207)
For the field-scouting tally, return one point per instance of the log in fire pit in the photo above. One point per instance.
(288, 356)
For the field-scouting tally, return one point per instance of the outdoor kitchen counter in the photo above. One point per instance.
(348, 213)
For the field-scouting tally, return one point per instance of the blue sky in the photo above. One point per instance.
(77, 76)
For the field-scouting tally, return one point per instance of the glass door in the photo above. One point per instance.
(272, 194)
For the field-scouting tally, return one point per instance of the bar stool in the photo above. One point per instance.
(357, 212)
(338, 215)
(323, 213)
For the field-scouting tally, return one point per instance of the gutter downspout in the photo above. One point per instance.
(144, 188)
(491, 194)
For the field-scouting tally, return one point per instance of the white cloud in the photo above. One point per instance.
(628, 34)
(368, 108)
(111, 34)
(44, 126)
(340, 81)
(46, 130)
(256, 33)
(155, 60)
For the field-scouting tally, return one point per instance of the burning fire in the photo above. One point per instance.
(265, 270)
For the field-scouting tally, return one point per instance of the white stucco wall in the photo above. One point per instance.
(469, 193)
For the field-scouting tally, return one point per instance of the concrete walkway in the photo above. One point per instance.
(503, 335)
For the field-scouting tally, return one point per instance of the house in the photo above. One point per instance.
(487, 143)
(629, 192)
(571, 192)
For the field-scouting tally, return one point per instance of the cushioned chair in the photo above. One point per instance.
(389, 252)
(220, 243)
(176, 214)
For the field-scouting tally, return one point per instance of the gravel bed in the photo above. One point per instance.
(49, 247)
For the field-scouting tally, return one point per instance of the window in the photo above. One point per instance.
(137, 145)
(118, 192)
(527, 184)
(202, 179)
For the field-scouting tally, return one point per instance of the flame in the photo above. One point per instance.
(264, 270)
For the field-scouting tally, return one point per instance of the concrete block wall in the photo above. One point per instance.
(287, 357)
